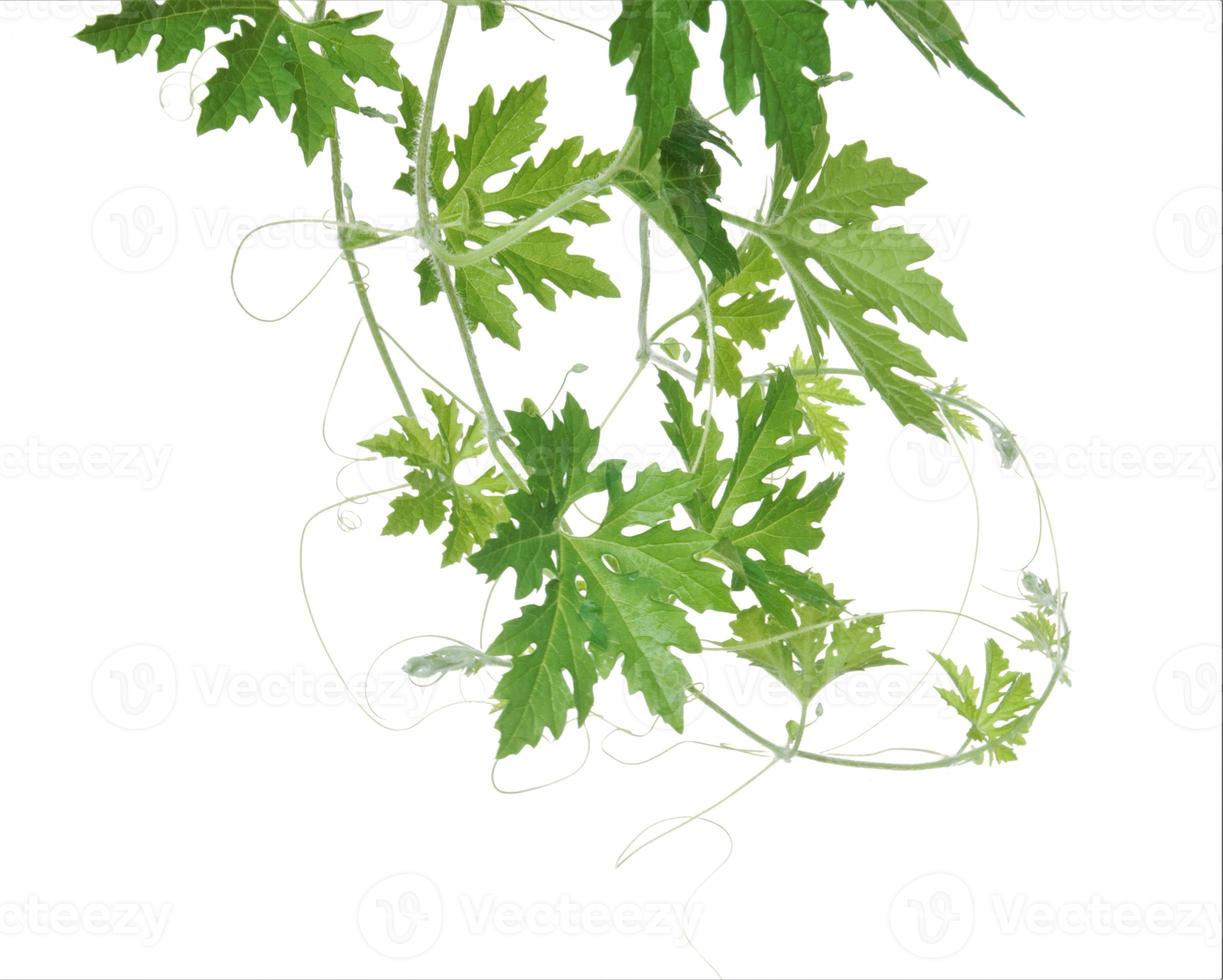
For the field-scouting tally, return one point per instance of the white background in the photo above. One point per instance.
(186, 790)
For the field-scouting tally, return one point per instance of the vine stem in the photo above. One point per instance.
(358, 280)
(425, 136)
(643, 306)
(734, 722)
(793, 751)
(492, 421)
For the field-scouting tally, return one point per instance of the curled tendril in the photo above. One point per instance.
(342, 228)
(192, 85)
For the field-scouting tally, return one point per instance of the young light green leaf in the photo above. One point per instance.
(472, 509)
(744, 308)
(959, 421)
(808, 657)
(850, 187)
(1043, 623)
(816, 392)
(998, 713)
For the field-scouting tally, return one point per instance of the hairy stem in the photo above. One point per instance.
(972, 755)
(358, 280)
(425, 137)
(793, 751)
(492, 421)
(734, 722)
(643, 306)
(761, 231)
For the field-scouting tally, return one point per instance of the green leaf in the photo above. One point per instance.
(850, 187)
(877, 350)
(788, 521)
(533, 186)
(1000, 712)
(698, 448)
(931, 27)
(769, 440)
(773, 47)
(492, 13)
(876, 266)
(552, 670)
(539, 263)
(959, 421)
(653, 34)
(690, 176)
(816, 392)
(1043, 623)
(472, 509)
(809, 657)
(744, 309)
(675, 189)
(271, 58)
(411, 104)
(610, 595)
(869, 269)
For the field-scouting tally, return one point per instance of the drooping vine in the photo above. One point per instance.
(734, 527)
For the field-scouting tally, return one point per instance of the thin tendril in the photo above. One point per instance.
(233, 267)
(492, 775)
(331, 400)
(427, 373)
(957, 443)
(557, 20)
(633, 848)
(519, 11)
(730, 850)
(484, 615)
